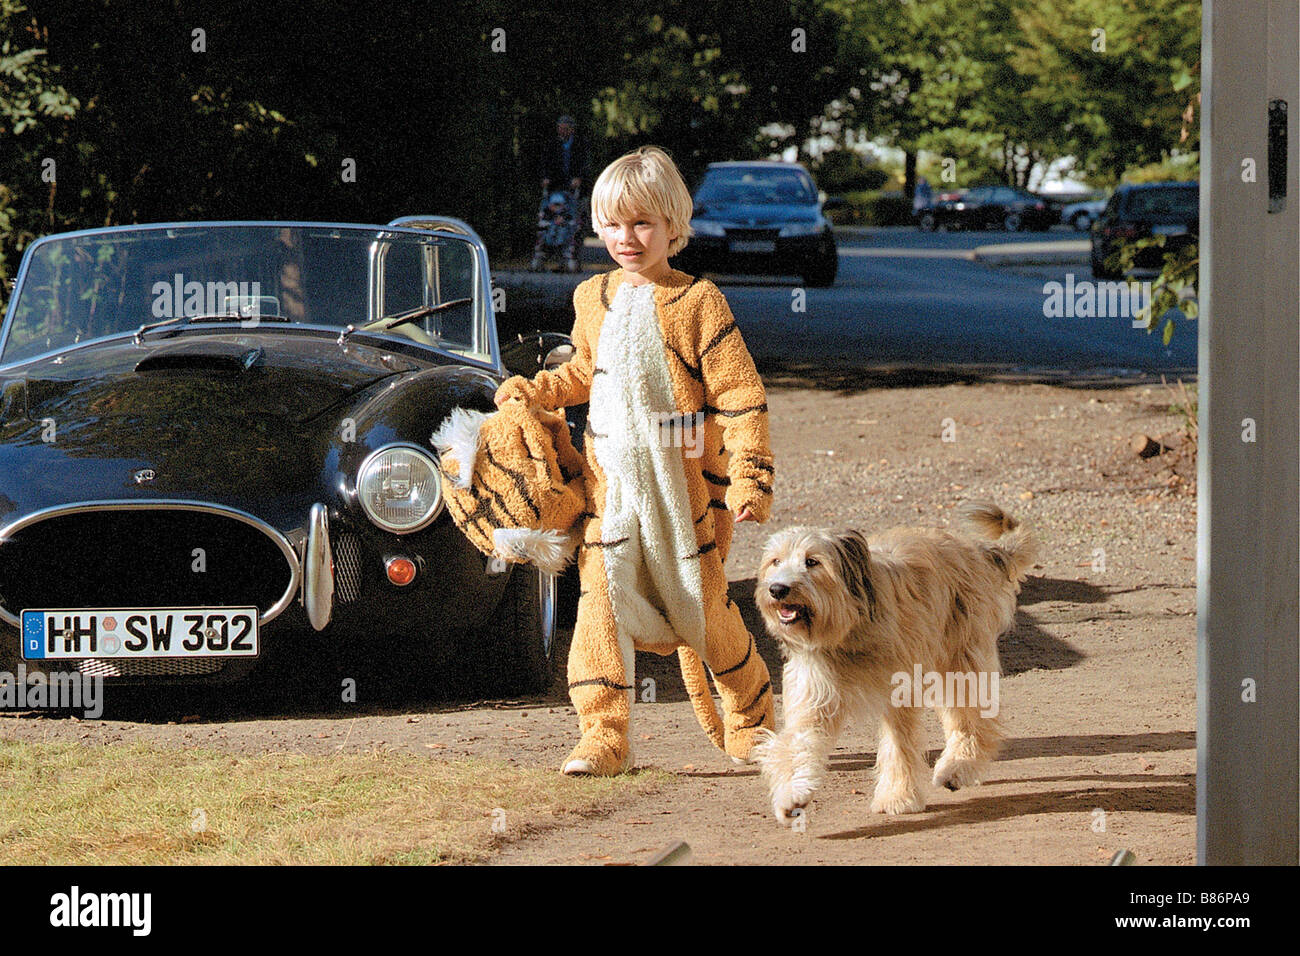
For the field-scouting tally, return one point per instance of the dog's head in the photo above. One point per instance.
(814, 585)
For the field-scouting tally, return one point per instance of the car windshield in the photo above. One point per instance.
(86, 286)
(760, 186)
(1178, 202)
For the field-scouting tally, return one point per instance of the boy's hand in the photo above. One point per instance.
(744, 514)
(515, 387)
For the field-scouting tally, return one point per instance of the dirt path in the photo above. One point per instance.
(1099, 688)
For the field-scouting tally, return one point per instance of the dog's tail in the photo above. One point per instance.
(697, 686)
(1011, 546)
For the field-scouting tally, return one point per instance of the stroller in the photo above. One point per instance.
(557, 231)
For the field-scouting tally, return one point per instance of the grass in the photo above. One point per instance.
(142, 805)
(1183, 404)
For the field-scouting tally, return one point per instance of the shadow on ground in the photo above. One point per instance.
(1173, 793)
(847, 380)
(312, 679)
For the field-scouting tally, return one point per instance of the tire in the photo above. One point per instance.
(927, 222)
(1082, 222)
(1012, 222)
(9, 655)
(822, 273)
(515, 651)
(570, 589)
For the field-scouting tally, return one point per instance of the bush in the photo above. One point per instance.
(844, 170)
(874, 209)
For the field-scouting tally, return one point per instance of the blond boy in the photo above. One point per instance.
(676, 450)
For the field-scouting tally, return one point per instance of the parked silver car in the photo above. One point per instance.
(1081, 215)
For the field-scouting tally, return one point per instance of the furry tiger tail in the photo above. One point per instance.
(1010, 546)
(697, 686)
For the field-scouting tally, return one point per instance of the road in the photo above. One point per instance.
(906, 299)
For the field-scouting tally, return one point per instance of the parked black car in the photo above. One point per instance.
(760, 218)
(988, 207)
(1140, 210)
(215, 434)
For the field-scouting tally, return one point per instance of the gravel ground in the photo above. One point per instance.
(1099, 687)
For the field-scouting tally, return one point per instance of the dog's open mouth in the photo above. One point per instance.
(789, 613)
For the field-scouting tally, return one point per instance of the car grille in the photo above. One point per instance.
(347, 568)
(768, 234)
(143, 557)
(156, 667)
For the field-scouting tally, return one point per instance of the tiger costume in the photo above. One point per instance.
(676, 444)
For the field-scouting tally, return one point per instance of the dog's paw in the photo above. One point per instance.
(955, 773)
(895, 800)
(790, 801)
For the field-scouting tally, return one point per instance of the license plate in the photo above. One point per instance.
(1169, 230)
(120, 633)
(753, 245)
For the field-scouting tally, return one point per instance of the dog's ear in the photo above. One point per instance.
(855, 568)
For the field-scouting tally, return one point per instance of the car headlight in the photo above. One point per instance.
(703, 227)
(801, 229)
(399, 488)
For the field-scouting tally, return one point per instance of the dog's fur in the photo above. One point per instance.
(850, 613)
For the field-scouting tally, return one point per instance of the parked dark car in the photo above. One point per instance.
(213, 435)
(988, 207)
(760, 218)
(1137, 211)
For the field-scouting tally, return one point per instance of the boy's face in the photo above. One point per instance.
(638, 243)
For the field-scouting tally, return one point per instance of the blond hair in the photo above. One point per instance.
(645, 180)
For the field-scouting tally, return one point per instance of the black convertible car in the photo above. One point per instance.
(215, 434)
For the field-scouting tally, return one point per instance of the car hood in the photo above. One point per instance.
(218, 416)
(242, 375)
(759, 214)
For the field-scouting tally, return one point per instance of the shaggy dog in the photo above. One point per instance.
(858, 622)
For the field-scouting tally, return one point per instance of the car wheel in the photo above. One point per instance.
(1012, 222)
(1081, 221)
(570, 589)
(927, 222)
(516, 648)
(823, 277)
(8, 650)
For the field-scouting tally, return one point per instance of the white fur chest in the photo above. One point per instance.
(654, 571)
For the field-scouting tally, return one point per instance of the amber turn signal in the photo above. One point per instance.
(401, 571)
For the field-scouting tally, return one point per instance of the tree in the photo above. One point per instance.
(34, 109)
(1115, 76)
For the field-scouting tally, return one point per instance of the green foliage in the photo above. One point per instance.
(449, 112)
(1173, 290)
(34, 110)
(1113, 76)
(1180, 167)
(844, 170)
(999, 85)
